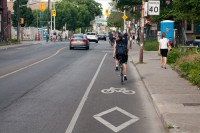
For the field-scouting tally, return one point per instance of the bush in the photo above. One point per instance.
(190, 65)
(14, 40)
(173, 56)
(151, 45)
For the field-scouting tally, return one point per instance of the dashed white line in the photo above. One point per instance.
(3, 76)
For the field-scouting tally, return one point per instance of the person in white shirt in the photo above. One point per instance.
(163, 49)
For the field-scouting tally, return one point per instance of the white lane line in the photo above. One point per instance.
(84, 98)
(3, 76)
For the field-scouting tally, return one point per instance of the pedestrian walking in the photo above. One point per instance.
(163, 50)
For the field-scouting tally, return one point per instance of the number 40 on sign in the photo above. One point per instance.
(153, 7)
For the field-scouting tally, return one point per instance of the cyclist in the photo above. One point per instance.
(47, 37)
(117, 54)
(54, 36)
(112, 37)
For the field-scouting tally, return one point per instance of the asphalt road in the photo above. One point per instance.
(47, 88)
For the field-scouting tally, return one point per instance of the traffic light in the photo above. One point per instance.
(53, 12)
(119, 9)
(21, 20)
(42, 6)
(107, 12)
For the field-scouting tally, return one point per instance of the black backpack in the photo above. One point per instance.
(121, 48)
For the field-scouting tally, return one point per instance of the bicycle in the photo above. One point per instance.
(112, 41)
(121, 70)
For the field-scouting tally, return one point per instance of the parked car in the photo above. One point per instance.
(92, 37)
(79, 41)
(101, 37)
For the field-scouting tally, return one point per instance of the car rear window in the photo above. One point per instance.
(91, 34)
(77, 36)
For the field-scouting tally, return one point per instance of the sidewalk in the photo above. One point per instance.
(23, 43)
(175, 99)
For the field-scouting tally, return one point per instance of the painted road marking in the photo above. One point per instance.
(13, 72)
(132, 120)
(107, 51)
(122, 90)
(84, 98)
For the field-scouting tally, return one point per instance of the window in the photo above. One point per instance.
(189, 26)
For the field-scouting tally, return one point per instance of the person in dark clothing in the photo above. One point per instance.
(125, 37)
(121, 41)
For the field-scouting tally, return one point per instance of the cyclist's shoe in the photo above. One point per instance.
(116, 69)
(125, 78)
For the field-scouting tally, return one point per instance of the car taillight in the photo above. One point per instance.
(84, 40)
(72, 40)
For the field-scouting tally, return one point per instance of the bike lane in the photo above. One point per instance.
(112, 107)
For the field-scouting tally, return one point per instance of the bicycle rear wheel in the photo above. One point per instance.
(121, 74)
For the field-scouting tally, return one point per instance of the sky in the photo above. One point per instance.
(104, 3)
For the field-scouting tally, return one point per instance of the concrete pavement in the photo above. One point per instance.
(176, 100)
(22, 43)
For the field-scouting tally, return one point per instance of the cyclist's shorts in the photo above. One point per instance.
(123, 58)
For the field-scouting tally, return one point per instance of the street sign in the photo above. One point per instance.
(21, 20)
(42, 6)
(124, 17)
(153, 7)
(53, 12)
(107, 12)
(114, 10)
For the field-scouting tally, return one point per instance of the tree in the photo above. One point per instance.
(115, 20)
(76, 14)
(24, 12)
(183, 9)
(128, 6)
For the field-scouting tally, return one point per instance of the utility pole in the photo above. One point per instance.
(142, 34)
(18, 21)
(54, 17)
(51, 17)
(125, 22)
(48, 17)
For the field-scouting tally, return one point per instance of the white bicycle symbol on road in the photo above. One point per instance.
(122, 90)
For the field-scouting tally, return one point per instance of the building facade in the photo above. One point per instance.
(5, 21)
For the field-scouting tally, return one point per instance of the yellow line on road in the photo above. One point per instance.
(13, 72)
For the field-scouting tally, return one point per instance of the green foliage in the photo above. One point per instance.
(115, 20)
(169, 9)
(24, 12)
(192, 71)
(173, 56)
(189, 63)
(183, 9)
(76, 13)
(151, 45)
(128, 6)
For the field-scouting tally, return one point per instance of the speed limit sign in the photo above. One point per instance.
(153, 7)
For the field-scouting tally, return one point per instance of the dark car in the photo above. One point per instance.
(79, 41)
(101, 37)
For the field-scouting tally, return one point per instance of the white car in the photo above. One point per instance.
(92, 37)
